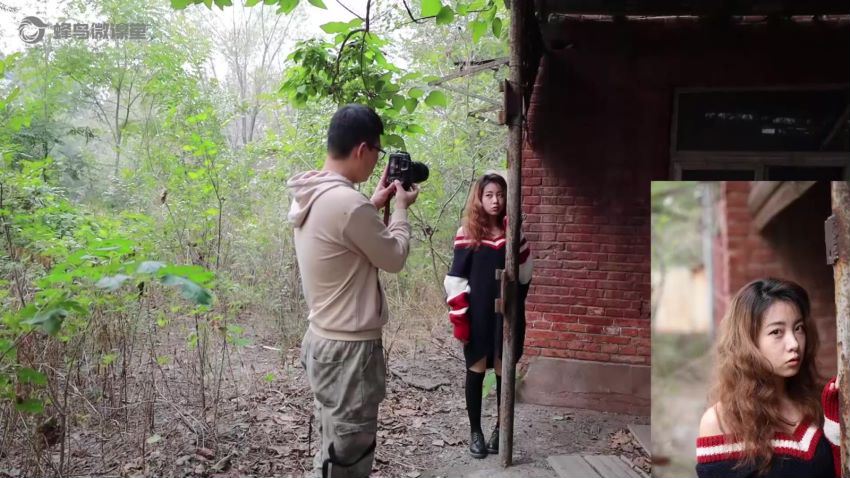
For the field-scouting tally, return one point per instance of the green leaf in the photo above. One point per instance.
(415, 92)
(335, 27)
(29, 405)
(411, 104)
(196, 273)
(269, 377)
(318, 3)
(446, 16)
(190, 289)
(489, 383)
(398, 102)
(112, 283)
(431, 8)
(497, 27)
(179, 4)
(414, 129)
(28, 375)
(251, 3)
(49, 320)
(286, 6)
(241, 341)
(393, 140)
(479, 27)
(436, 98)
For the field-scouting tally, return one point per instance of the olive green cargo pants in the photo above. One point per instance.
(348, 380)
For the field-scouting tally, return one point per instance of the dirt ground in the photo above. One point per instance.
(262, 426)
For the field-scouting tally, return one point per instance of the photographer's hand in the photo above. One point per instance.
(383, 192)
(403, 199)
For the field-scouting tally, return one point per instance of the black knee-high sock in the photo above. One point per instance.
(474, 386)
(498, 399)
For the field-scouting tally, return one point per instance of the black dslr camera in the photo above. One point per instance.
(406, 170)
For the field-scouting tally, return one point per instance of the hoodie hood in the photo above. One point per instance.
(306, 187)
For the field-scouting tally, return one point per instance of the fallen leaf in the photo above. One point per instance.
(438, 443)
(205, 452)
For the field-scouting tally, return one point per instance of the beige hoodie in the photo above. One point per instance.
(341, 243)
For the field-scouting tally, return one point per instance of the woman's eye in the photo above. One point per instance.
(775, 332)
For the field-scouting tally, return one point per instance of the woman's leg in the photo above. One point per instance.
(474, 386)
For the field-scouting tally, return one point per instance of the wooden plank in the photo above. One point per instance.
(760, 193)
(609, 466)
(785, 194)
(572, 466)
(628, 463)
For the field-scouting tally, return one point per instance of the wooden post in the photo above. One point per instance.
(512, 116)
(840, 253)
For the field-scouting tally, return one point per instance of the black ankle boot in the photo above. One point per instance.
(493, 444)
(477, 448)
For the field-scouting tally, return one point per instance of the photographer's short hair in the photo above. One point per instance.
(352, 125)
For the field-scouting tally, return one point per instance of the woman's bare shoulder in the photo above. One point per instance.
(709, 425)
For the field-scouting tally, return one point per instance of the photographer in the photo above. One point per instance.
(341, 243)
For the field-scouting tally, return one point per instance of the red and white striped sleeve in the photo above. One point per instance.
(456, 284)
(831, 430)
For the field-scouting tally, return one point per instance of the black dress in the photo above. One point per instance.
(811, 451)
(472, 290)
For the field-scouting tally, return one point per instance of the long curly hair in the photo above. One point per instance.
(746, 386)
(476, 221)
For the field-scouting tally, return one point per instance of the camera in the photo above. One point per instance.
(406, 170)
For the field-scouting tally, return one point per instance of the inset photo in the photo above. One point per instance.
(750, 292)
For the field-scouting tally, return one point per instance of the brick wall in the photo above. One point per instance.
(790, 247)
(589, 298)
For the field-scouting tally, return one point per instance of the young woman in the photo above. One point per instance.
(471, 288)
(770, 418)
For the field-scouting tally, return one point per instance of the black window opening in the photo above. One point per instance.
(766, 121)
(718, 175)
(794, 173)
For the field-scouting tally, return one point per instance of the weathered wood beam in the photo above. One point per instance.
(841, 274)
(510, 284)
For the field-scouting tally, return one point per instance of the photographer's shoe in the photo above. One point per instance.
(493, 444)
(477, 448)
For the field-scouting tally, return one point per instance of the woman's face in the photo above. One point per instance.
(493, 199)
(782, 338)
